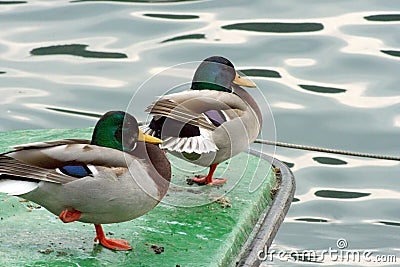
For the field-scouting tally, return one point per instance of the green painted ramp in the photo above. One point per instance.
(193, 226)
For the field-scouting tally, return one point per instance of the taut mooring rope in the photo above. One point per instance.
(326, 150)
(320, 149)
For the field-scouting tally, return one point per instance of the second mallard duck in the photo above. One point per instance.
(210, 123)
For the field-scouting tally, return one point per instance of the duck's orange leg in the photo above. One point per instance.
(68, 216)
(114, 244)
(208, 179)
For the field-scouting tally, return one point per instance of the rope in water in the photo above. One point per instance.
(321, 149)
(327, 150)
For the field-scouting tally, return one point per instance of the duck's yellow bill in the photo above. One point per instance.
(148, 138)
(242, 81)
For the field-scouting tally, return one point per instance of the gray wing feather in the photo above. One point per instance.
(51, 143)
(14, 167)
(170, 109)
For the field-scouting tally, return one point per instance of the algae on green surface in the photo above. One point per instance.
(189, 227)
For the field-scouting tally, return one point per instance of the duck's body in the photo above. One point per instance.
(81, 180)
(107, 195)
(212, 122)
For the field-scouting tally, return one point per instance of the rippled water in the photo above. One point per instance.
(329, 70)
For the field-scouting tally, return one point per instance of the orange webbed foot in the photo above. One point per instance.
(203, 180)
(114, 244)
(208, 179)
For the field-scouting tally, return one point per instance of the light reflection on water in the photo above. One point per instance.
(329, 75)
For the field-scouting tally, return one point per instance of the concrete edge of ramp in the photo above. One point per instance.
(267, 226)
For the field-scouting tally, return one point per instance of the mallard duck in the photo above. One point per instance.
(114, 177)
(210, 123)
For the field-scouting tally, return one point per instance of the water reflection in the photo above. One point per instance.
(185, 37)
(136, 1)
(313, 220)
(389, 223)
(278, 27)
(12, 2)
(74, 50)
(171, 16)
(393, 53)
(329, 161)
(261, 73)
(289, 164)
(322, 89)
(384, 17)
(295, 199)
(340, 194)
